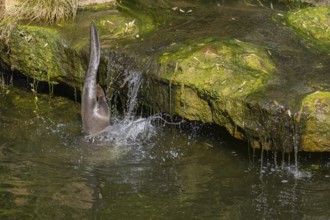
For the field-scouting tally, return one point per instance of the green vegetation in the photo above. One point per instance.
(318, 123)
(313, 22)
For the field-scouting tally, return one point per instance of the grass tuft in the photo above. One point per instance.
(49, 11)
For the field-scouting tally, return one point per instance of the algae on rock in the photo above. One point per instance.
(40, 54)
(58, 54)
(211, 81)
(225, 82)
(317, 135)
(313, 22)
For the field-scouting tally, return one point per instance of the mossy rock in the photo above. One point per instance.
(116, 26)
(312, 22)
(39, 53)
(223, 82)
(58, 54)
(228, 68)
(317, 135)
(211, 81)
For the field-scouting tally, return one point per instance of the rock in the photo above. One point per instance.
(58, 54)
(317, 135)
(214, 82)
(225, 82)
(219, 81)
(313, 23)
(41, 54)
(205, 80)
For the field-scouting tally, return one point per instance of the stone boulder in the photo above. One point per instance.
(40, 53)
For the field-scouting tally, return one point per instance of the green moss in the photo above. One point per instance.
(118, 26)
(39, 53)
(42, 54)
(115, 26)
(144, 18)
(211, 81)
(313, 22)
(317, 135)
(221, 68)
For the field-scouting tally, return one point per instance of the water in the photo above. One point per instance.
(49, 171)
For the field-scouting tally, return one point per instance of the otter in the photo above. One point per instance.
(94, 108)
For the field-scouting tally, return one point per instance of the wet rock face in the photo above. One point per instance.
(215, 82)
(39, 53)
(317, 135)
(248, 89)
(207, 78)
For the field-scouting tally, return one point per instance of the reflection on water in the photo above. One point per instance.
(48, 171)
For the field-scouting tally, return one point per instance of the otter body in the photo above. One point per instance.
(94, 108)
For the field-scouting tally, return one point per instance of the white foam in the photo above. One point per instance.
(298, 174)
(125, 132)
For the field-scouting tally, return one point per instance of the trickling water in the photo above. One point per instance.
(133, 82)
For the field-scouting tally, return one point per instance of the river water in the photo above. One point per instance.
(48, 170)
(144, 168)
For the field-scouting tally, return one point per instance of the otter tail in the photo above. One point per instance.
(94, 59)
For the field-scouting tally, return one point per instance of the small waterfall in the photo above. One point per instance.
(285, 129)
(133, 81)
(125, 128)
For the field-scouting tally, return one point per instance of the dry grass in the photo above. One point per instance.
(44, 10)
(49, 11)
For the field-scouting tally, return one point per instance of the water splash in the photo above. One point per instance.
(129, 131)
(297, 173)
(126, 129)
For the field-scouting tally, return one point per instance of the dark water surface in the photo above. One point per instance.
(48, 171)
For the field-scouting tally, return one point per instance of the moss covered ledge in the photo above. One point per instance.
(224, 82)
(211, 81)
(58, 54)
(41, 54)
